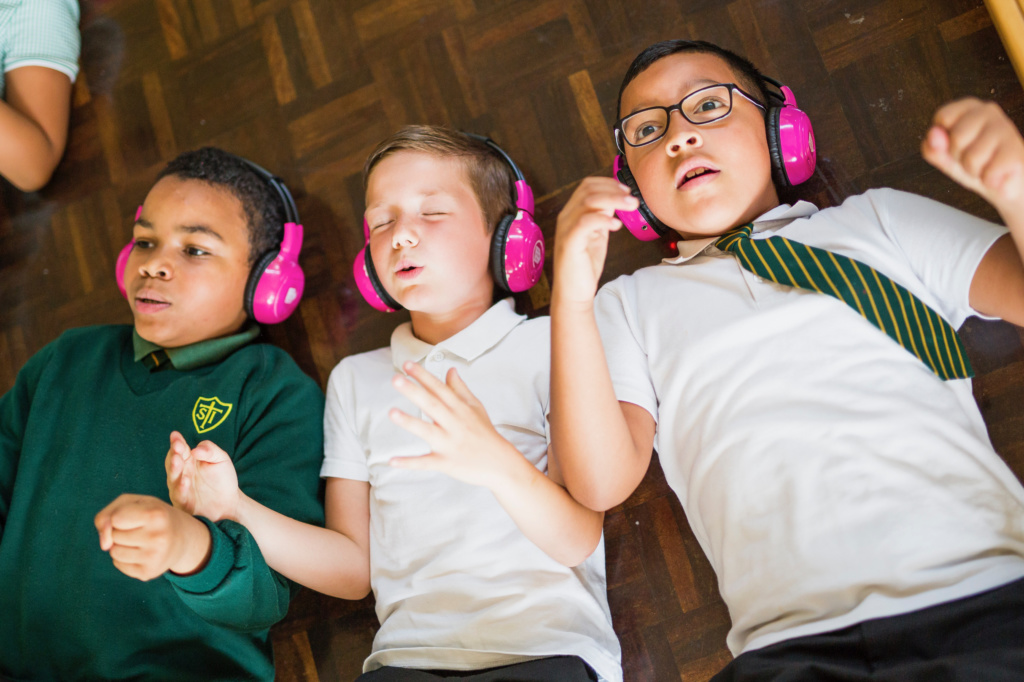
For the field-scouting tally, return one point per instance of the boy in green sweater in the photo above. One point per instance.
(83, 434)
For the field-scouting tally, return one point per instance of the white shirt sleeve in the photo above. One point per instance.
(344, 455)
(942, 245)
(615, 310)
(44, 33)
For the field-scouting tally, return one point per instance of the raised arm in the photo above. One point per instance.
(466, 446)
(604, 446)
(977, 145)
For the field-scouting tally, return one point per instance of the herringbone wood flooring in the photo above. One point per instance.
(306, 88)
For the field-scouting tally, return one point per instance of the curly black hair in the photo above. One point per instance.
(264, 211)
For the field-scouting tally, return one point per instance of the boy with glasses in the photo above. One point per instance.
(799, 374)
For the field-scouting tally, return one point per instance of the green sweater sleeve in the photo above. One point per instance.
(14, 409)
(236, 589)
(277, 458)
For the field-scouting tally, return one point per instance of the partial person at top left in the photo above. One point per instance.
(39, 46)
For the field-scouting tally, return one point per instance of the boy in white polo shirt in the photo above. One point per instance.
(804, 388)
(479, 560)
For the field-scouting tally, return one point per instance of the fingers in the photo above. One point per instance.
(209, 452)
(413, 425)
(459, 387)
(426, 392)
(605, 195)
(124, 513)
(977, 145)
(428, 462)
(179, 445)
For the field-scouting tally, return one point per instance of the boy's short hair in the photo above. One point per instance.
(489, 175)
(750, 78)
(263, 209)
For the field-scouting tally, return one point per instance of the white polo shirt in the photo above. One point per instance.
(458, 586)
(828, 474)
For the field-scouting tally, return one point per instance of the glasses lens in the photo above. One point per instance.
(644, 127)
(707, 104)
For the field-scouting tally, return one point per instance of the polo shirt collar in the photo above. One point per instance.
(783, 214)
(483, 334)
(200, 353)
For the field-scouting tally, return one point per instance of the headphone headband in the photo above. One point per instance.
(291, 213)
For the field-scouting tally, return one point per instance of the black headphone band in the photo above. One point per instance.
(501, 152)
(291, 213)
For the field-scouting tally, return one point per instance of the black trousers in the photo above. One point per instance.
(554, 669)
(976, 639)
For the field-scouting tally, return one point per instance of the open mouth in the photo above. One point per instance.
(696, 173)
(145, 304)
(408, 271)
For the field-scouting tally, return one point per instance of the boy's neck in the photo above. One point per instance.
(433, 328)
(749, 217)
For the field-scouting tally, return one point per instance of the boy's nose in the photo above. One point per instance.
(155, 266)
(404, 233)
(681, 134)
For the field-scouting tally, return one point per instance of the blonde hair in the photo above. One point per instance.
(489, 175)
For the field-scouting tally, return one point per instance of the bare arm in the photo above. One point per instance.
(466, 447)
(978, 146)
(334, 560)
(33, 125)
(604, 446)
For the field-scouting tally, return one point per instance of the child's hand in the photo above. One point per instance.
(581, 236)
(146, 537)
(464, 443)
(201, 481)
(976, 144)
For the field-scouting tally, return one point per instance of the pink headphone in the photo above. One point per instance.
(517, 247)
(790, 146)
(276, 281)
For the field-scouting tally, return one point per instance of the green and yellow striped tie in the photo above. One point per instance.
(882, 302)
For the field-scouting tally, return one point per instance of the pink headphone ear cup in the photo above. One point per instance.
(640, 222)
(121, 265)
(517, 252)
(791, 145)
(275, 288)
(369, 284)
(277, 282)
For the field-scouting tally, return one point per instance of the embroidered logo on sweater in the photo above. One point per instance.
(209, 413)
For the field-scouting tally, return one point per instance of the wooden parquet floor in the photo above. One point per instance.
(306, 88)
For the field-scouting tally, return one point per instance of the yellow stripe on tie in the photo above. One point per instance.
(789, 245)
(931, 361)
(788, 273)
(892, 315)
(867, 290)
(825, 274)
(849, 287)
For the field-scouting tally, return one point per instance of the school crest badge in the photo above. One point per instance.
(209, 413)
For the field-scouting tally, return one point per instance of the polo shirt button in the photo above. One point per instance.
(438, 356)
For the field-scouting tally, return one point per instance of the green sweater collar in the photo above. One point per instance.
(200, 353)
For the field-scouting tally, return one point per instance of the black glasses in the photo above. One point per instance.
(706, 105)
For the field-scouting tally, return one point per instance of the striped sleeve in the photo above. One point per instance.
(44, 33)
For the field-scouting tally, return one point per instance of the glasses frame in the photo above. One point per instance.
(620, 136)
